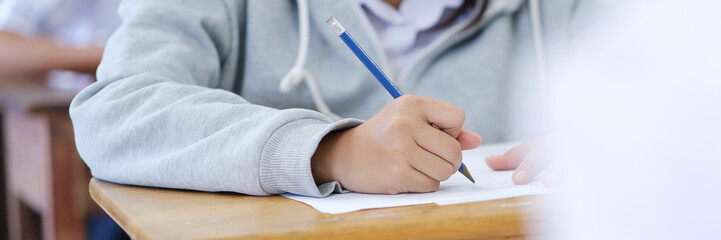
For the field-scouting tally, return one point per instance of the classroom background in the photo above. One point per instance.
(637, 105)
(48, 52)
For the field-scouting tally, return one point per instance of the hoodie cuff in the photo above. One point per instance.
(285, 158)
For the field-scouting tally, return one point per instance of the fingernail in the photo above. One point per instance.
(519, 176)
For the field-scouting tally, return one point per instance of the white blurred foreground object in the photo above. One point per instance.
(639, 112)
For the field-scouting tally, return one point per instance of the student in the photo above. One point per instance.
(262, 97)
(38, 36)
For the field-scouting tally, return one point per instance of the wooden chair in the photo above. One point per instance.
(3, 205)
(47, 193)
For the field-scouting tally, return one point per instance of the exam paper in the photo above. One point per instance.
(457, 189)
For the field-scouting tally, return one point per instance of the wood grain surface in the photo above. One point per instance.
(154, 213)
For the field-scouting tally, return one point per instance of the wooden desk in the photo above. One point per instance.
(152, 213)
(46, 179)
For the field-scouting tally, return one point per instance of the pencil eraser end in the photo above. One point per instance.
(335, 25)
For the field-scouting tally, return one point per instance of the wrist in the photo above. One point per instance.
(323, 160)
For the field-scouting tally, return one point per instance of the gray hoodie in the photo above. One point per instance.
(212, 95)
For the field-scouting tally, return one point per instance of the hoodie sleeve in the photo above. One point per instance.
(156, 118)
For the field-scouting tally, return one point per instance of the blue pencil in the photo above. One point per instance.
(376, 71)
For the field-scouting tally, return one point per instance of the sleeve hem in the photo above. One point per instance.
(285, 158)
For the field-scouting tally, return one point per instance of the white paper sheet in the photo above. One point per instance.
(489, 185)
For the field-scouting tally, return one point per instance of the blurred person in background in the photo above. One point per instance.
(62, 42)
(63, 38)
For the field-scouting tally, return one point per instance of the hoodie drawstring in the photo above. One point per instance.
(298, 73)
(538, 46)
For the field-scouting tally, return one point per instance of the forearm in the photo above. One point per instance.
(164, 134)
(153, 118)
(24, 55)
(83, 60)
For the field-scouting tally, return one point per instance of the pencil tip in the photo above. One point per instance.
(466, 173)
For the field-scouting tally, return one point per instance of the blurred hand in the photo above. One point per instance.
(411, 145)
(21, 56)
(530, 159)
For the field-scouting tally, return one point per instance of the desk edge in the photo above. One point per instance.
(102, 199)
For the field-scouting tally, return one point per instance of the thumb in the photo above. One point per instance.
(468, 139)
